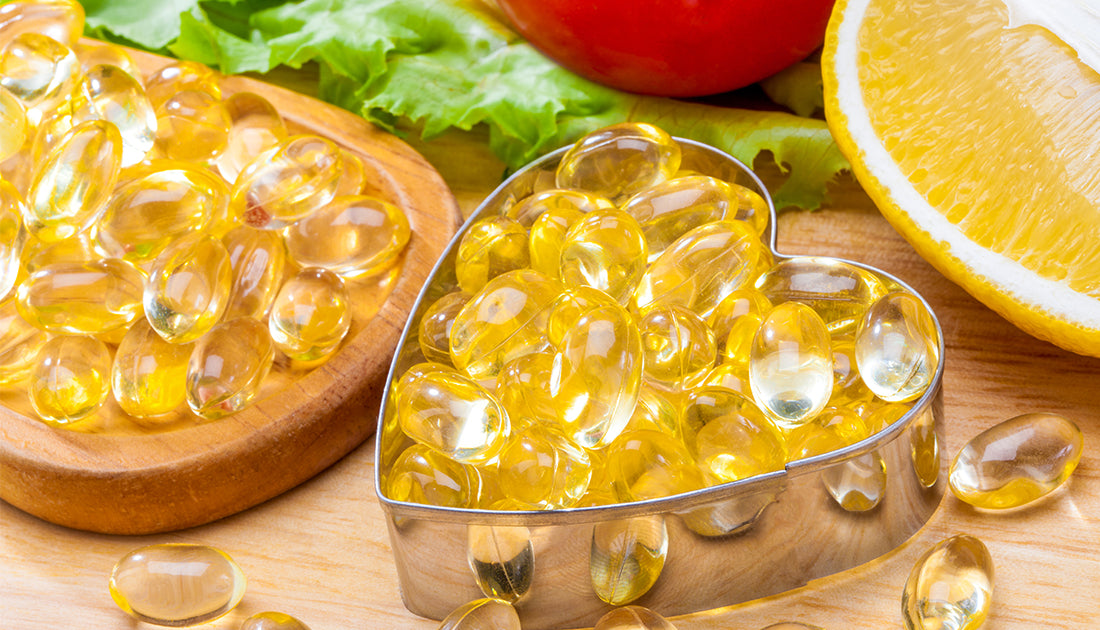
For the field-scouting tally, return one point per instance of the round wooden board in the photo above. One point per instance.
(185, 474)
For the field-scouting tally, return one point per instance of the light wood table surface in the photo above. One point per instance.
(320, 552)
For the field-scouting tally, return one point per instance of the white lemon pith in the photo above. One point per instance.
(975, 128)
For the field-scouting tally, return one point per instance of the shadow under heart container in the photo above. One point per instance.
(704, 422)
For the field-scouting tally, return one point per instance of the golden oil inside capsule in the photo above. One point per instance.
(70, 379)
(177, 584)
(423, 475)
(678, 346)
(597, 375)
(627, 557)
(832, 429)
(541, 466)
(1017, 461)
(180, 76)
(649, 465)
(62, 20)
(731, 376)
(310, 316)
(490, 247)
(272, 621)
(896, 347)
(950, 586)
(39, 71)
(730, 436)
(522, 389)
(633, 618)
(19, 344)
(839, 292)
(544, 243)
(13, 237)
(857, 484)
(46, 136)
(188, 288)
(657, 410)
(13, 124)
(605, 249)
(149, 211)
(353, 236)
(848, 386)
(70, 192)
(257, 258)
(192, 126)
(92, 53)
(791, 365)
(254, 127)
(502, 560)
(570, 305)
(505, 320)
(149, 375)
(620, 160)
(227, 366)
(702, 267)
(286, 183)
(434, 329)
(735, 321)
(454, 415)
(482, 614)
(112, 94)
(89, 298)
(557, 200)
(77, 249)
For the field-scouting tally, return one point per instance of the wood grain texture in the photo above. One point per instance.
(320, 551)
(108, 477)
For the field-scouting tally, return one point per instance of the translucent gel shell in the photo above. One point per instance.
(13, 236)
(832, 429)
(540, 466)
(452, 414)
(82, 298)
(92, 53)
(434, 330)
(735, 321)
(605, 249)
(310, 316)
(424, 475)
(254, 127)
(633, 618)
(192, 125)
(837, 291)
(730, 436)
(502, 559)
(70, 379)
(561, 201)
(19, 344)
(547, 236)
(570, 306)
(353, 236)
(619, 161)
(188, 288)
(180, 76)
(896, 347)
(1017, 461)
(627, 557)
(286, 183)
(271, 620)
(227, 366)
(257, 258)
(112, 94)
(950, 586)
(149, 375)
(490, 247)
(679, 347)
(13, 124)
(62, 20)
(482, 614)
(522, 389)
(651, 464)
(40, 71)
(791, 365)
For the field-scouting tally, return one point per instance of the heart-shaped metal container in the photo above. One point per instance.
(725, 544)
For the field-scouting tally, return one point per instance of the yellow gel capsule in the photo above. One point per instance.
(62, 20)
(149, 375)
(353, 174)
(502, 559)
(271, 620)
(39, 71)
(434, 330)
(13, 236)
(619, 160)
(452, 414)
(257, 258)
(731, 376)
(564, 202)
(503, 322)
(310, 316)
(650, 465)
(112, 94)
(605, 249)
(879, 418)
(82, 298)
(13, 124)
(286, 183)
(657, 410)
(180, 76)
(192, 126)
(254, 127)
(19, 344)
(1017, 461)
(597, 375)
(701, 268)
(839, 292)
(490, 247)
(78, 249)
(542, 467)
(147, 212)
(627, 557)
(522, 387)
(832, 429)
(70, 192)
(857, 484)
(547, 236)
(482, 614)
(353, 236)
(177, 584)
(735, 321)
(426, 476)
(730, 436)
(70, 379)
(679, 347)
(188, 288)
(92, 53)
(848, 386)
(950, 586)
(227, 366)
(46, 135)
(569, 307)
(633, 618)
(896, 347)
(791, 365)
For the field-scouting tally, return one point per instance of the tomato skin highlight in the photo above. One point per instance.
(672, 47)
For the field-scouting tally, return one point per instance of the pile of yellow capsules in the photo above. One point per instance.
(161, 240)
(628, 334)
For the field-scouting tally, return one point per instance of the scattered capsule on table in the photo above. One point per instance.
(70, 192)
(272, 621)
(310, 316)
(540, 466)
(522, 390)
(62, 20)
(546, 237)
(424, 475)
(619, 160)
(604, 249)
(192, 126)
(227, 367)
(651, 464)
(838, 291)
(39, 71)
(149, 375)
(13, 237)
(490, 247)
(735, 321)
(434, 329)
(791, 365)
(730, 436)
(257, 258)
(559, 201)
(570, 305)
(82, 298)
(627, 557)
(110, 93)
(352, 236)
(286, 183)
(180, 76)
(1016, 461)
(19, 344)
(482, 614)
(857, 484)
(177, 584)
(950, 586)
(502, 559)
(679, 348)
(70, 379)
(188, 287)
(254, 127)
(633, 618)
(13, 124)
(896, 347)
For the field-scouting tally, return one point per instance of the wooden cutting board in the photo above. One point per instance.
(320, 552)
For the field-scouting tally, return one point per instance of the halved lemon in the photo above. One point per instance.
(975, 128)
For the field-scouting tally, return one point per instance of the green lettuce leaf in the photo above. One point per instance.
(455, 64)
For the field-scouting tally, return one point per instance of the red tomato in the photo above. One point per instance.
(672, 47)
